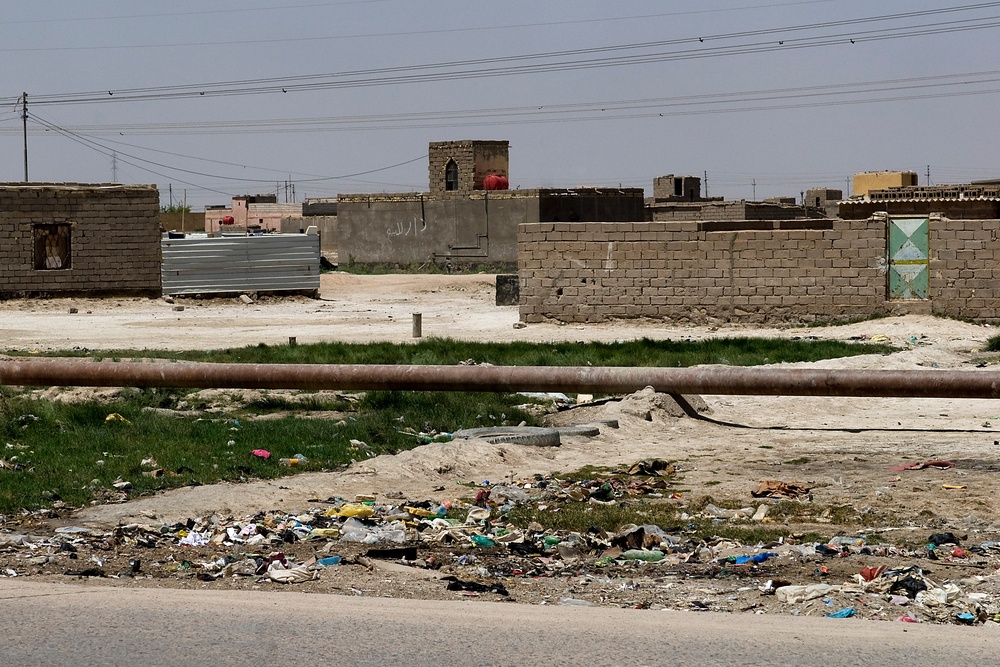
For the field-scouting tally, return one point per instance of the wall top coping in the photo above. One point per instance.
(493, 194)
(470, 142)
(76, 186)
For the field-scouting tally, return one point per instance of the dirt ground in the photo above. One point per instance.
(848, 450)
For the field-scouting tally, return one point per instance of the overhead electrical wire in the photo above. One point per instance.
(106, 151)
(836, 94)
(405, 33)
(553, 61)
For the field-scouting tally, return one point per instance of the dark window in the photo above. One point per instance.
(678, 187)
(451, 176)
(52, 247)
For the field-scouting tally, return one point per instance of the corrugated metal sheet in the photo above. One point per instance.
(267, 263)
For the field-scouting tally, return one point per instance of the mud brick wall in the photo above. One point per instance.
(114, 239)
(781, 271)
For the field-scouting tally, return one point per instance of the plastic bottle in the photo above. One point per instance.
(289, 462)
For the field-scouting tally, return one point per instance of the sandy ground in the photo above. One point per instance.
(850, 444)
(844, 448)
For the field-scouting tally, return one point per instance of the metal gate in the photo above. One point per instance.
(908, 266)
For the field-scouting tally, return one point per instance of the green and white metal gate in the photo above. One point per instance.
(908, 266)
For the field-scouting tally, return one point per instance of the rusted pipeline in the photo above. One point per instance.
(580, 379)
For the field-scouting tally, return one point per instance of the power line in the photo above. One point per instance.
(833, 94)
(405, 33)
(553, 61)
(115, 155)
(241, 11)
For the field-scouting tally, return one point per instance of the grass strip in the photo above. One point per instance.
(644, 352)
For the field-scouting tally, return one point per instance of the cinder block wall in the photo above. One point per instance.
(587, 272)
(751, 271)
(964, 268)
(114, 238)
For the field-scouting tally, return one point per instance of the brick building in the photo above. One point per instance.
(69, 238)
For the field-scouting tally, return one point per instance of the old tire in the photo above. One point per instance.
(514, 435)
(583, 430)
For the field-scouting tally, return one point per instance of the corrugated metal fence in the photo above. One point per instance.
(267, 263)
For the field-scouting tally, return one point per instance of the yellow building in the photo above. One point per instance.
(867, 181)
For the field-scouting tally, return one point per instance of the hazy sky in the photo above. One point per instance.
(768, 97)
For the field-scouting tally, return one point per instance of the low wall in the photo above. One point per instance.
(67, 238)
(182, 222)
(414, 228)
(775, 271)
(326, 225)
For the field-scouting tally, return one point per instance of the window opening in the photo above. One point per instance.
(52, 247)
(451, 176)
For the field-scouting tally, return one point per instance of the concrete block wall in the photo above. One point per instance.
(114, 238)
(587, 272)
(964, 265)
(724, 210)
(474, 227)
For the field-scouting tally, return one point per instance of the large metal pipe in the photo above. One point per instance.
(582, 379)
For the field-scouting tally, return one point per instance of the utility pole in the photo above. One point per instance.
(706, 184)
(24, 121)
(754, 184)
(170, 189)
(114, 167)
(928, 181)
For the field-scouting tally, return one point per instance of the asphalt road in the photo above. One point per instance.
(94, 624)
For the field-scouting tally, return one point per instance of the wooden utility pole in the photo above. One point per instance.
(24, 122)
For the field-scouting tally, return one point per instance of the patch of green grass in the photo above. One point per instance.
(799, 461)
(300, 402)
(643, 352)
(580, 517)
(69, 452)
(993, 344)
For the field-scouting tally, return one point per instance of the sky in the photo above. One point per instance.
(760, 98)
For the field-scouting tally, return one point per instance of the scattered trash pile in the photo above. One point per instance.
(474, 548)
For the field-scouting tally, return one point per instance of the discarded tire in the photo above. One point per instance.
(515, 435)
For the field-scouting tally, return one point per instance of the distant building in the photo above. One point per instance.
(249, 213)
(468, 215)
(868, 181)
(974, 201)
(824, 199)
